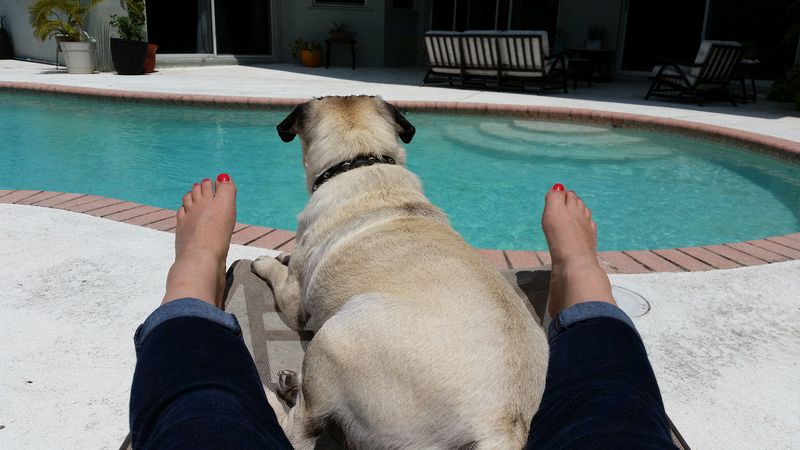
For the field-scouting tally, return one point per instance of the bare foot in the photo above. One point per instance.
(202, 238)
(572, 238)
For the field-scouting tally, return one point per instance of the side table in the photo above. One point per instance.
(591, 60)
(740, 78)
(348, 41)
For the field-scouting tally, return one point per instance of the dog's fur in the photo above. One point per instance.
(420, 342)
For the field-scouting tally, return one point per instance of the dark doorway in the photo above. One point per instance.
(763, 28)
(180, 27)
(243, 27)
(657, 30)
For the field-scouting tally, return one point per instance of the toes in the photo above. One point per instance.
(187, 201)
(206, 188)
(196, 192)
(181, 212)
(573, 201)
(554, 198)
(225, 186)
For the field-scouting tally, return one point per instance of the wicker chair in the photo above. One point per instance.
(710, 73)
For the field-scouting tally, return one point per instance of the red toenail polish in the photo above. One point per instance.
(223, 177)
(558, 187)
(206, 179)
(197, 184)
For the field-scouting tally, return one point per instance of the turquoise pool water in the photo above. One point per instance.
(646, 190)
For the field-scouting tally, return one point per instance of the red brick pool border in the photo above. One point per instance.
(691, 259)
(723, 256)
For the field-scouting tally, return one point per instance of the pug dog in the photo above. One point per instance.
(419, 341)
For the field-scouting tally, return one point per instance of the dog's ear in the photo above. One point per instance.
(290, 126)
(407, 130)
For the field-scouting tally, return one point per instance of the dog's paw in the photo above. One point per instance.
(289, 386)
(267, 267)
(283, 258)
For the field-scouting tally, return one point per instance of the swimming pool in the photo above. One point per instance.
(647, 190)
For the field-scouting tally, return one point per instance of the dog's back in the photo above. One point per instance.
(420, 342)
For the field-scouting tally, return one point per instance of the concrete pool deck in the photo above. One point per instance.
(724, 343)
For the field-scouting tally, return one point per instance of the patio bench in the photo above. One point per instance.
(509, 58)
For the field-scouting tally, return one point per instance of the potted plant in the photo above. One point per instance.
(129, 50)
(66, 18)
(308, 52)
(339, 32)
(786, 87)
(150, 59)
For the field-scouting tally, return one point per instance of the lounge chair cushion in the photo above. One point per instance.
(443, 51)
(705, 47)
(691, 73)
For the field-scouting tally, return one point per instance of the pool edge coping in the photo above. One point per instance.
(689, 259)
(782, 148)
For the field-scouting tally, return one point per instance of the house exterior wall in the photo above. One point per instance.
(301, 18)
(576, 16)
(28, 47)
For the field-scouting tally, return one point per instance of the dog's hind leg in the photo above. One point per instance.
(286, 288)
(294, 423)
(300, 427)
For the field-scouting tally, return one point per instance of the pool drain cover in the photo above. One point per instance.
(632, 303)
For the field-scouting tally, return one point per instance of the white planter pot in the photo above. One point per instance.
(80, 57)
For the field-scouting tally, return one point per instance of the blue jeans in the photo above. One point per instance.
(196, 386)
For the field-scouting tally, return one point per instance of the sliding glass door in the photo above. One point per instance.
(232, 27)
(460, 15)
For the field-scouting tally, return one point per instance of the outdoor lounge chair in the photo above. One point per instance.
(710, 73)
(444, 55)
(274, 346)
(525, 58)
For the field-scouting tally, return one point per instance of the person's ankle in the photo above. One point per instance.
(579, 280)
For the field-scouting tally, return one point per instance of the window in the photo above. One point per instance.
(340, 2)
(403, 4)
(460, 15)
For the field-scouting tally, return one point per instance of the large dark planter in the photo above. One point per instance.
(128, 56)
(6, 52)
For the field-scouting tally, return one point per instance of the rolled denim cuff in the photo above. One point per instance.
(585, 311)
(184, 307)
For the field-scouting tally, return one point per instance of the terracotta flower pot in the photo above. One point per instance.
(310, 59)
(339, 36)
(150, 59)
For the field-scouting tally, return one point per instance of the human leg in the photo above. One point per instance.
(195, 384)
(600, 390)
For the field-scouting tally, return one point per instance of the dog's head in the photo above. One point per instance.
(335, 129)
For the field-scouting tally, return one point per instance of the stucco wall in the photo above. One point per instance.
(28, 47)
(576, 16)
(300, 18)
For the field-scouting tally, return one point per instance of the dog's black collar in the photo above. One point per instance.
(350, 164)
